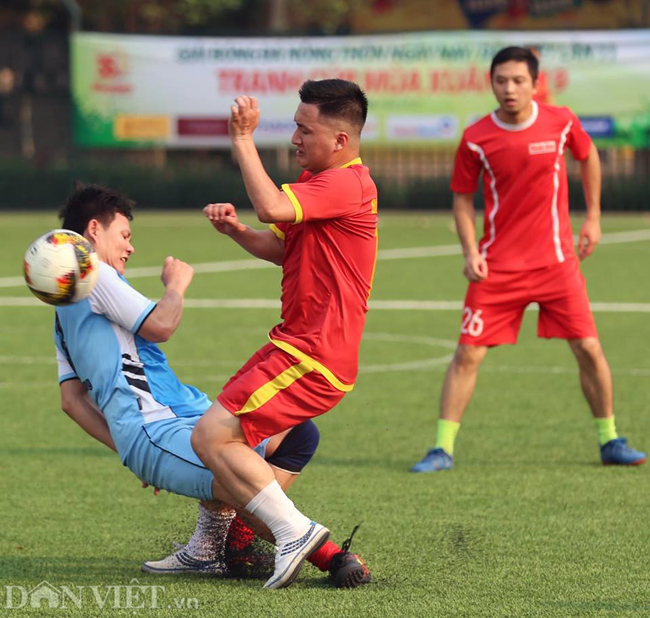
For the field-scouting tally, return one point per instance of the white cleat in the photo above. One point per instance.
(181, 562)
(290, 556)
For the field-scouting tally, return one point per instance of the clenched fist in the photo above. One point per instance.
(224, 218)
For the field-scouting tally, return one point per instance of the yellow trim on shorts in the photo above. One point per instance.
(294, 201)
(313, 364)
(265, 393)
(277, 231)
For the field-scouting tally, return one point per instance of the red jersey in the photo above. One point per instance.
(526, 221)
(543, 94)
(328, 266)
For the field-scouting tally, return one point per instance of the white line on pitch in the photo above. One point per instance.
(623, 237)
(427, 364)
(384, 254)
(375, 305)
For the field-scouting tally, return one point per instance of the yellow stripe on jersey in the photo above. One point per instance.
(374, 265)
(294, 200)
(265, 393)
(356, 161)
(374, 206)
(277, 231)
(313, 364)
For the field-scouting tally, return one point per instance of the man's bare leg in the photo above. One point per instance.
(457, 391)
(240, 473)
(460, 381)
(596, 382)
(244, 479)
(595, 375)
(205, 552)
(284, 479)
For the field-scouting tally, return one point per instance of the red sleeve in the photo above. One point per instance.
(578, 140)
(328, 195)
(467, 169)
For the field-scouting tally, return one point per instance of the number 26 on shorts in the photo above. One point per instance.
(472, 323)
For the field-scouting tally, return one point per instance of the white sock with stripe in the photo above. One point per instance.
(279, 513)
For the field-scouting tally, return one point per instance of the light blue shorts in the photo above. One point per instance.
(162, 456)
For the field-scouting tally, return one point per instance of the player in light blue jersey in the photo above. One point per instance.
(116, 384)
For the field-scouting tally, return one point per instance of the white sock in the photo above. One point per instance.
(279, 513)
(209, 539)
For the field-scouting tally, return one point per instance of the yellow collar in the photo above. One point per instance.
(356, 161)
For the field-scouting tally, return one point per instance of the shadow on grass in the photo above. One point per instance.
(536, 463)
(405, 465)
(105, 571)
(64, 570)
(94, 570)
(348, 463)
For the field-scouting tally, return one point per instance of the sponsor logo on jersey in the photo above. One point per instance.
(539, 148)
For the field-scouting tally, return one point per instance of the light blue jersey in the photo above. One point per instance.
(150, 413)
(128, 377)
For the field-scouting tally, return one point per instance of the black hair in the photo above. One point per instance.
(518, 54)
(337, 98)
(89, 202)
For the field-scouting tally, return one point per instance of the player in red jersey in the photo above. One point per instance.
(543, 92)
(526, 253)
(324, 234)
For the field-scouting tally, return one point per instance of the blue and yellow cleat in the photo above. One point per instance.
(617, 453)
(435, 460)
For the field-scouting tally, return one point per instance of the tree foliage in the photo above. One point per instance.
(236, 17)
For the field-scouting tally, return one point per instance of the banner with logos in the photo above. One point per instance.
(423, 88)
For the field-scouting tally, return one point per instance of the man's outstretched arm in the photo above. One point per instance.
(271, 204)
(163, 321)
(263, 244)
(80, 407)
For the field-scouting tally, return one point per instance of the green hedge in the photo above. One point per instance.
(23, 187)
(26, 187)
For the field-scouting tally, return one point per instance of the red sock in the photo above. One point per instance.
(240, 536)
(322, 557)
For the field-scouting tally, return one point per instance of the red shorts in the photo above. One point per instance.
(274, 391)
(494, 308)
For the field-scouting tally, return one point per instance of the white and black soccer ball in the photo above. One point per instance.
(61, 267)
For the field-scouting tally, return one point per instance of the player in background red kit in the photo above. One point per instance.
(324, 234)
(543, 92)
(527, 252)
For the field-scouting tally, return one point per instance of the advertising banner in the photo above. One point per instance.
(424, 88)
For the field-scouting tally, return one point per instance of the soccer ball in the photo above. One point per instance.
(61, 267)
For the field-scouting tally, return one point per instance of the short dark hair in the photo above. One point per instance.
(518, 54)
(337, 98)
(90, 202)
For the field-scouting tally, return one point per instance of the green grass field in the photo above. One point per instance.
(527, 524)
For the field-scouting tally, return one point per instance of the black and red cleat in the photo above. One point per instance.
(246, 555)
(255, 561)
(348, 570)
